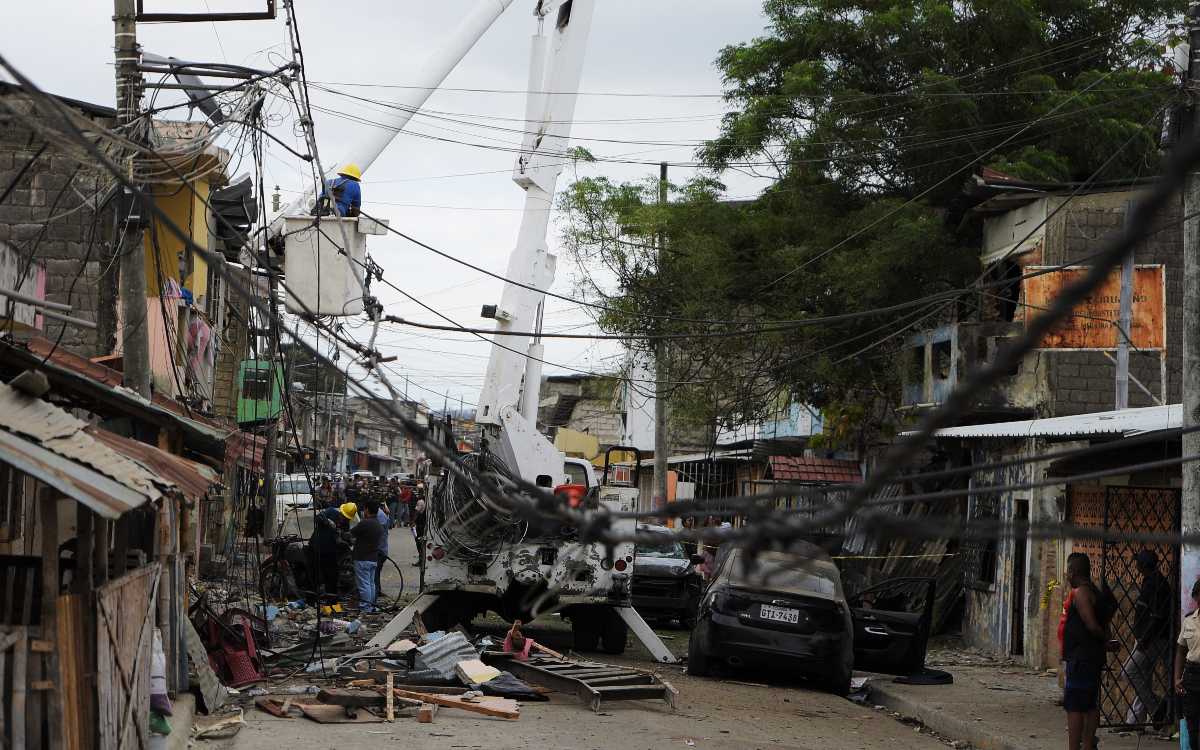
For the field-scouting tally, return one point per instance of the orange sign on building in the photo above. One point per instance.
(1093, 324)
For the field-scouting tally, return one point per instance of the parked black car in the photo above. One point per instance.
(665, 581)
(789, 611)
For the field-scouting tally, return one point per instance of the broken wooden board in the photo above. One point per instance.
(426, 713)
(329, 714)
(501, 708)
(277, 708)
(212, 691)
(351, 698)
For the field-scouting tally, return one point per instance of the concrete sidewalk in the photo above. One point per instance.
(999, 706)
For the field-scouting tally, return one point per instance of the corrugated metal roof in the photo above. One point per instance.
(108, 473)
(105, 496)
(1124, 422)
(441, 655)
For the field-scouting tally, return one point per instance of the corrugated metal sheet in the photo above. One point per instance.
(441, 655)
(105, 496)
(105, 471)
(190, 478)
(1124, 422)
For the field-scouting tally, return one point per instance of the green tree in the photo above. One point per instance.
(869, 116)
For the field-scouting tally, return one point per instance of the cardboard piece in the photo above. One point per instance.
(475, 672)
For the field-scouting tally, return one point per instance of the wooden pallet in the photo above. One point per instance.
(593, 682)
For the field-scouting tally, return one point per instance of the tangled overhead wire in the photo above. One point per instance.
(527, 502)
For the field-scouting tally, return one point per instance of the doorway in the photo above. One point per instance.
(1020, 552)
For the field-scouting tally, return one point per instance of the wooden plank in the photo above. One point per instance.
(502, 708)
(125, 608)
(4, 649)
(20, 650)
(212, 691)
(426, 713)
(8, 579)
(47, 665)
(84, 538)
(49, 511)
(100, 549)
(78, 696)
(273, 707)
(336, 714)
(41, 647)
(25, 617)
(390, 707)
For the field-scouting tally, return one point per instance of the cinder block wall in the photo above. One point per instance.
(1082, 382)
(50, 215)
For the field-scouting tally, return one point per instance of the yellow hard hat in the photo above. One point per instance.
(351, 170)
(349, 510)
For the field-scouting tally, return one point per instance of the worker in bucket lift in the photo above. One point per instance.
(345, 191)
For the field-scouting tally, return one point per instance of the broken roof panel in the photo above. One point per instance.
(106, 472)
(1125, 422)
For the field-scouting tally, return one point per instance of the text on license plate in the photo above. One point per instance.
(779, 614)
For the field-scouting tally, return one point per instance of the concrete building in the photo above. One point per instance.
(376, 443)
(1060, 396)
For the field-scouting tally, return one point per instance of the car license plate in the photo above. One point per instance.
(779, 614)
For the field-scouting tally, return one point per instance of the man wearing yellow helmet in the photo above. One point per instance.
(345, 191)
(323, 546)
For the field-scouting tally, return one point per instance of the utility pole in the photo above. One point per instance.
(1190, 506)
(660, 378)
(135, 339)
(1125, 324)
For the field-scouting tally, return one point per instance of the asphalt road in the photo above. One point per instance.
(712, 714)
(738, 712)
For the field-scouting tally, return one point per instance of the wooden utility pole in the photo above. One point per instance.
(135, 339)
(1190, 507)
(660, 377)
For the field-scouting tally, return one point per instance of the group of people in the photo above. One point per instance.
(366, 508)
(1084, 632)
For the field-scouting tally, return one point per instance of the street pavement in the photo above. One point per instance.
(737, 713)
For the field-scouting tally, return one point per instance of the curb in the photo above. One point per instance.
(885, 694)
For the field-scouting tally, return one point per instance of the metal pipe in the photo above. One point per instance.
(34, 301)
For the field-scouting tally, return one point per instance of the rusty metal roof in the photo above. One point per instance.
(218, 438)
(108, 473)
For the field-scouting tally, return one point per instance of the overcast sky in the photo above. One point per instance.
(636, 47)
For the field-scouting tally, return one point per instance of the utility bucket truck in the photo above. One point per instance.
(479, 555)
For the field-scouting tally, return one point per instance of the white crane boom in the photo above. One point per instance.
(424, 80)
(509, 398)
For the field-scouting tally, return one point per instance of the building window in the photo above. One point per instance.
(980, 554)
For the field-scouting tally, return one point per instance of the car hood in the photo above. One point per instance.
(661, 566)
(294, 498)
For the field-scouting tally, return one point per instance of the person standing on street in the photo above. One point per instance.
(418, 526)
(1084, 643)
(367, 534)
(1187, 669)
(387, 522)
(1151, 619)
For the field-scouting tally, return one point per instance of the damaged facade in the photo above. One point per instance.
(1060, 396)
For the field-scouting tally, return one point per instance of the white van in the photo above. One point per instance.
(293, 491)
